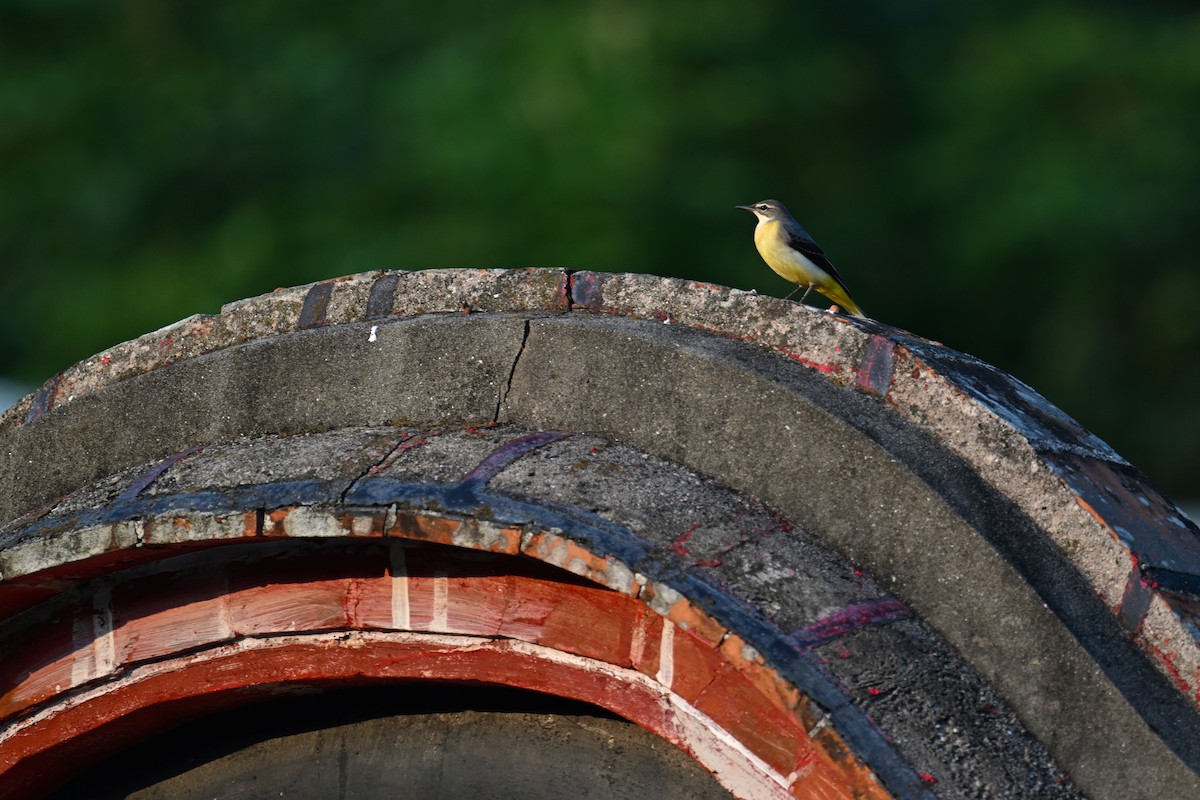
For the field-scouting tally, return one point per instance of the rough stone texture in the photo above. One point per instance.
(907, 680)
(427, 369)
(334, 457)
(443, 456)
(829, 343)
(772, 574)
(726, 410)
(685, 515)
(957, 487)
(690, 523)
(1057, 473)
(349, 299)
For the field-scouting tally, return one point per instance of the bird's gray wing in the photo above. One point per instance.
(798, 239)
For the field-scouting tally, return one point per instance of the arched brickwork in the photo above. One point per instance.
(865, 554)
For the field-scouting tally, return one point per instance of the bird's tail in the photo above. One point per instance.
(839, 295)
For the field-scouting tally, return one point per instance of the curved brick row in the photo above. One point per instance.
(1146, 563)
(1018, 536)
(867, 671)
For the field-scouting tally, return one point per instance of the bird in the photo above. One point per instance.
(793, 255)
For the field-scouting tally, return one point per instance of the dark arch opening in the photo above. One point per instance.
(423, 739)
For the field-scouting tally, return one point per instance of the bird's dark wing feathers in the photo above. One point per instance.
(801, 241)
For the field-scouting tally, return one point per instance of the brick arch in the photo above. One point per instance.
(183, 642)
(189, 601)
(448, 554)
(979, 506)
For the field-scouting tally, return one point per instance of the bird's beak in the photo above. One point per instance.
(745, 208)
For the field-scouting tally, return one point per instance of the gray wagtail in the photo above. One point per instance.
(793, 255)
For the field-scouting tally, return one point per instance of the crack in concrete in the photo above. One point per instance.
(373, 467)
(502, 395)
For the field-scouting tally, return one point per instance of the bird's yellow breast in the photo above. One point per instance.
(787, 263)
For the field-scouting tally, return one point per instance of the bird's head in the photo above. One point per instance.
(767, 210)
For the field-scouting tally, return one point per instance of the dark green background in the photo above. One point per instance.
(1021, 182)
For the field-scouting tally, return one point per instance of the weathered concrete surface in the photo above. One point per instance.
(830, 462)
(1018, 535)
(448, 755)
(425, 369)
(687, 528)
(354, 298)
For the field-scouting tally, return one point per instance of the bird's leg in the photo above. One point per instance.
(806, 291)
(788, 296)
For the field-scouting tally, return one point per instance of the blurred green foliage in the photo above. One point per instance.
(1020, 181)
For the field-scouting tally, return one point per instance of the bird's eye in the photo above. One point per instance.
(763, 207)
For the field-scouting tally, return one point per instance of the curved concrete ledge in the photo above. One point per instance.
(1017, 535)
(196, 561)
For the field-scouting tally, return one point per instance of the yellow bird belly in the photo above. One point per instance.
(786, 262)
(793, 266)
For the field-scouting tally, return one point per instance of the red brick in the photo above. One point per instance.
(589, 622)
(695, 664)
(736, 705)
(164, 614)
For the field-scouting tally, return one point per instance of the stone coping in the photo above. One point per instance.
(1139, 552)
